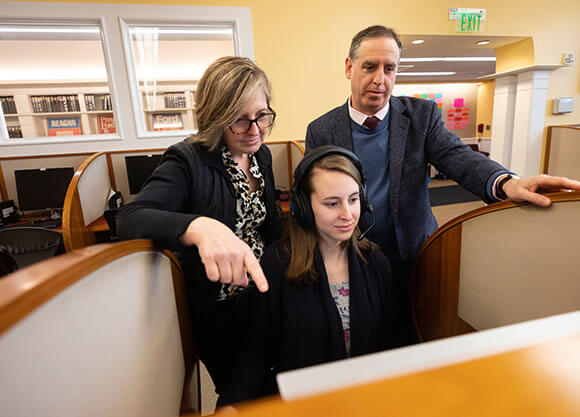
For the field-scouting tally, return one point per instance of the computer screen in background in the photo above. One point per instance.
(42, 189)
(139, 168)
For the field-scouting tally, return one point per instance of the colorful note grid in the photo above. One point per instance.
(436, 97)
(458, 115)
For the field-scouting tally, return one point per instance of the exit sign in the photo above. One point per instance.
(467, 20)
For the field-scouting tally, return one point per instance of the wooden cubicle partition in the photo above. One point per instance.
(496, 265)
(562, 151)
(88, 193)
(104, 330)
(286, 154)
(85, 203)
(102, 172)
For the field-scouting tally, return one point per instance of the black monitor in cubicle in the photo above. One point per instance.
(42, 189)
(139, 168)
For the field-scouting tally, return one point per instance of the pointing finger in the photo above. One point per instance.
(255, 270)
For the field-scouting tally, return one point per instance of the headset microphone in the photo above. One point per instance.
(368, 229)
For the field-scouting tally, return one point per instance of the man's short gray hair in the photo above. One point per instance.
(376, 31)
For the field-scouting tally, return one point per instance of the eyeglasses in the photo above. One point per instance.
(262, 122)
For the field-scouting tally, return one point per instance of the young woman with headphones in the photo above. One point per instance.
(331, 290)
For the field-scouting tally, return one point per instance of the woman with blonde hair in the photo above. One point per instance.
(211, 200)
(331, 294)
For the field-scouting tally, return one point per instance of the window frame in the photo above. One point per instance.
(114, 21)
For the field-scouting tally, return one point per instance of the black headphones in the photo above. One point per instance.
(300, 206)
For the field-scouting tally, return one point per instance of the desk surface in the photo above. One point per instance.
(99, 225)
(541, 380)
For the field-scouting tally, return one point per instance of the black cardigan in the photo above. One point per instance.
(190, 182)
(298, 325)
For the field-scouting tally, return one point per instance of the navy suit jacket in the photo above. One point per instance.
(417, 137)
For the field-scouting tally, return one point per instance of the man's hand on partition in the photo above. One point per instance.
(226, 258)
(528, 188)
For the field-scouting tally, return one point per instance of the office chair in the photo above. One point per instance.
(28, 245)
(7, 262)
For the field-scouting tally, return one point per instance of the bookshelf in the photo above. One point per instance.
(41, 109)
(35, 110)
(170, 105)
(85, 108)
(10, 113)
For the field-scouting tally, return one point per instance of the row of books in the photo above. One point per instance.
(174, 100)
(98, 102)
(8, 105)
(48, 104)
(14, 132)
(71, 126)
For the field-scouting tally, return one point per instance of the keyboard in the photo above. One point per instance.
(47, 223)
(40, 223)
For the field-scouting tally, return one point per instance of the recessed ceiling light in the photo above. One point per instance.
(44, 29)
(418, 41)
(425, 74)
(181, 31)
(450, 59)
(481, 43)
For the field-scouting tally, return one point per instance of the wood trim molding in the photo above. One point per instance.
(56, 155)
(270, 141)
(111, 172)
(547, 149)
(75, 233)
(289, 162)
(549, 143)
(289, 145)
(298, 145)
(116, 151)
(190, 352)
(3, 191)
(435, 286)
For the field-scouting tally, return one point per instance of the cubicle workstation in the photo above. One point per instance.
(125, 171)
(105, 328)
(286, 154)
(562, 151)
(36, 185)
(93, 188)
(497, 265)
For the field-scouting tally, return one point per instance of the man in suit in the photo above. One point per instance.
(396, 138)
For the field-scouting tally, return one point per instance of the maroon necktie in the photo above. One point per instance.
(372, 122)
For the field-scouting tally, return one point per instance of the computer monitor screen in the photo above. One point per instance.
(42, 189)
(139, 168)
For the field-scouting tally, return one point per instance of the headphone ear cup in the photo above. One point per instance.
(301, 210)
(364, 202)
(308, 214)
(297, 208)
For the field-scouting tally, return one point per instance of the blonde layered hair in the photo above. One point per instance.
(222, 94)
(302, 241)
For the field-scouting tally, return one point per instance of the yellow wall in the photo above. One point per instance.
(515, 55)
(485, 94)
(302, 44)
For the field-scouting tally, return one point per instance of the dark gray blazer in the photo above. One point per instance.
(417, 137)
